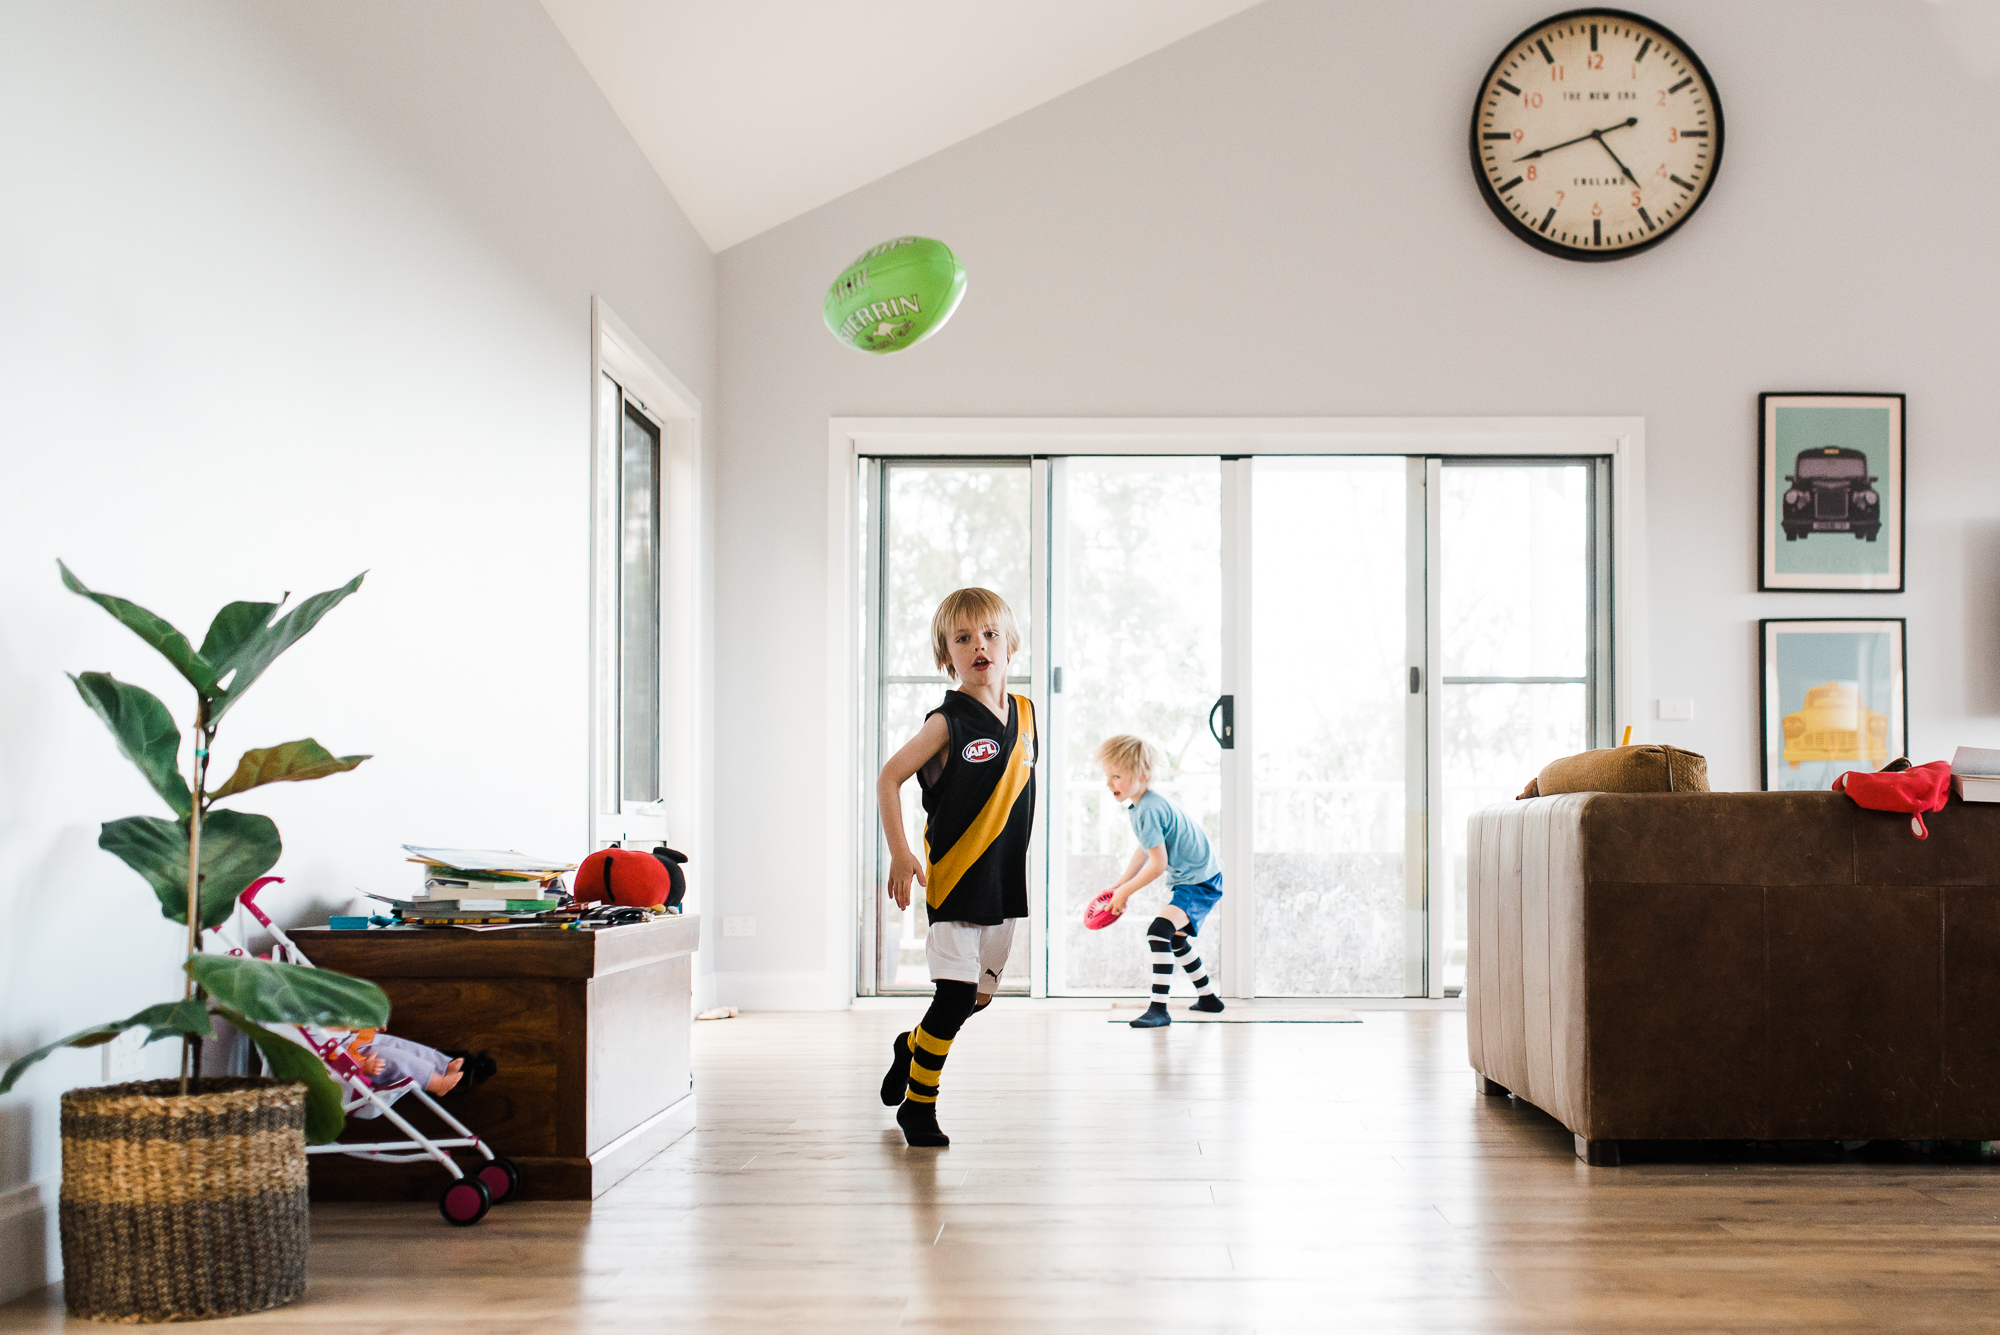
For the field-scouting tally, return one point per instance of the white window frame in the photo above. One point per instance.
(618, 353)
(1620, 439)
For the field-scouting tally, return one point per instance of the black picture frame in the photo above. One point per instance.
(1772, 696)
(1831, 511)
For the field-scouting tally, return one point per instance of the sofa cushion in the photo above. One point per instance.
(1625, 769)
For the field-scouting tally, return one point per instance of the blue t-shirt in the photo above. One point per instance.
(1157, 821)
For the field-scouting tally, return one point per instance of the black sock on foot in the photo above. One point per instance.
(920, 1126)
(1155, 1016)
(897, 1082)
(1210, 1003)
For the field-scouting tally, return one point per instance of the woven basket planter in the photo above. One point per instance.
(181, 1208)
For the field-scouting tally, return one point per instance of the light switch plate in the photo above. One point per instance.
(739, 926)
(1676, 707)
(123, 1057)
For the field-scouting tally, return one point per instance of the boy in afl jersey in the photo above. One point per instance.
(975, 759)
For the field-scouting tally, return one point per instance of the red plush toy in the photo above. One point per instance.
(1916, 790)
(629, 876)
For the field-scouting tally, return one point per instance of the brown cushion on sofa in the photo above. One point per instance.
(1626, 769)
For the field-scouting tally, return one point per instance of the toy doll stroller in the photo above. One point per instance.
(466, 1198)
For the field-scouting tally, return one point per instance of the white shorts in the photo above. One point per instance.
(965, 952)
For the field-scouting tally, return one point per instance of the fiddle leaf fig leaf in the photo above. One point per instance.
(291, 762)
(256, 648)
(272, 993)
(232, 626)
(165, 1020)
(173, 645)
(294, 1061)
(169, 1019)
(236, 848)
(145, 732)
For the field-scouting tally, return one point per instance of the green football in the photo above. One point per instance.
(898, 293)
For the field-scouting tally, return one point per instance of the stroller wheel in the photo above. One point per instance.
(502, 1179)
(465, 1201)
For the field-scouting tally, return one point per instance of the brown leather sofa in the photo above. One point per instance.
(1736, 966)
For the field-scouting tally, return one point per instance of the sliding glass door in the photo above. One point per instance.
(1272, 624)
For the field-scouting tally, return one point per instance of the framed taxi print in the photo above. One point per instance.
(1830, 492)
(1834, 699)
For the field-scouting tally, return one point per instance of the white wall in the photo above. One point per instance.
(1276, 217)
(288, 292)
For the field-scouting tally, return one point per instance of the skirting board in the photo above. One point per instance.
(30, 1254)
(787, 990)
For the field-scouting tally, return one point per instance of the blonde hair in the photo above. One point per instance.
(975, 606)
(1133, 755)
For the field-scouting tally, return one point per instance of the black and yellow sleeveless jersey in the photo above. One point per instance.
(980, 807)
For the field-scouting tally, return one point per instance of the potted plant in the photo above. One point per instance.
(187, 1198)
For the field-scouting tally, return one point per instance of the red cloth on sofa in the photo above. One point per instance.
(1916, 790)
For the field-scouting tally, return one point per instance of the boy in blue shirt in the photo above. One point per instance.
(1171, 842)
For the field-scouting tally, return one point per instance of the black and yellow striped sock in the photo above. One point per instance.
(927, 1054)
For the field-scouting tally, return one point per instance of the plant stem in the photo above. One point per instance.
(190, 1053)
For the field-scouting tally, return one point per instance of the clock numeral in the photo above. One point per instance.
(1662, 172)
(1673, 135)
(1531, 100)
(1531, 171)
(1596, 61)
(1556, 74)
(1597, 209)
(1635, 201)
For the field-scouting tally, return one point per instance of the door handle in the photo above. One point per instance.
(1227, 736)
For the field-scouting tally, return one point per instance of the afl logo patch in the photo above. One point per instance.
(983, 749)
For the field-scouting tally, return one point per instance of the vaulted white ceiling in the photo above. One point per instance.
(755, 111)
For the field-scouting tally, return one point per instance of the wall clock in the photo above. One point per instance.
(1596, 135)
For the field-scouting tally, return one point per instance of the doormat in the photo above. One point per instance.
(1244, 1013)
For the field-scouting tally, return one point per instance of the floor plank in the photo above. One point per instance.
(1226, 1178)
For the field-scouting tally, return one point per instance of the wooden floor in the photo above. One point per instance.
(1191, 1179)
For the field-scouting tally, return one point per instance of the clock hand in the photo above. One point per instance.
(1599, 137)
(1629, 120)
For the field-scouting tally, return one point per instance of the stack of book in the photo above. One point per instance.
(1975, 774)
(465, 887)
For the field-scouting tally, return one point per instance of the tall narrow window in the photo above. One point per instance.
(1518, 631)
(638, 606)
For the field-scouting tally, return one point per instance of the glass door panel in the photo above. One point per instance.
(1330, 726)
(1140, 588)
(1515, 633)
(944, 525)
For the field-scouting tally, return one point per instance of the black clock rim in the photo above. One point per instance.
(1528, 234)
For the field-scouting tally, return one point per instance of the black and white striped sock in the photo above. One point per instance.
(1190, 959)
(1159, 936)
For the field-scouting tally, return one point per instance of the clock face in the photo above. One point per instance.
(1597, 134)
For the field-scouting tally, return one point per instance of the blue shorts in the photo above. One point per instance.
(1197, 900)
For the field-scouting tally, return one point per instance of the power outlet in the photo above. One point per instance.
(1679, 709)
(123, 1057)
(739, 927)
